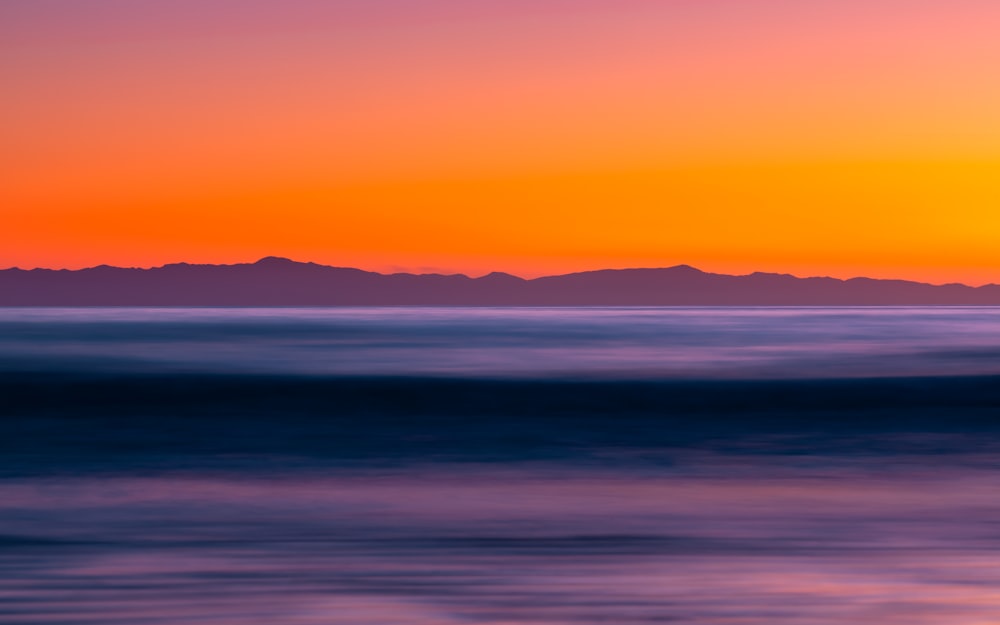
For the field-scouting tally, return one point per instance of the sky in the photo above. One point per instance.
(812, 137)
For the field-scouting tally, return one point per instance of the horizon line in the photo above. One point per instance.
(272, 258)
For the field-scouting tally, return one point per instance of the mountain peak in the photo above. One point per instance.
(501, 275)
(276, 261)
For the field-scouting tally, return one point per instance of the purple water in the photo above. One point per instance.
(509, 342)
(614, 520)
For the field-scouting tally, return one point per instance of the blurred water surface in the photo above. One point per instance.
(500, 466)
(518, 342)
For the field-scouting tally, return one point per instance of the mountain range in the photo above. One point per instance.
(275, 281)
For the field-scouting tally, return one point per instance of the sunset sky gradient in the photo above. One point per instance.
(814, 137)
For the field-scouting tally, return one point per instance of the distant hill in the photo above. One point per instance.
(282, 282)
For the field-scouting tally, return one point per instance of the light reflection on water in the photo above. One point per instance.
(376, 518)
(518, 342)
(834, 545)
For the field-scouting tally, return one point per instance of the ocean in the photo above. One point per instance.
(492, 466)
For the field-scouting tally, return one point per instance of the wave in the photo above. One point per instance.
(70, 420)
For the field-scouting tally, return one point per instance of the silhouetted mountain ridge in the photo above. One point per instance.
(276, 281)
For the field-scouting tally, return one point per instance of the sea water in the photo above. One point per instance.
(445, 466)
(508, 342)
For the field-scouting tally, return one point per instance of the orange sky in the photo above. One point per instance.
(802, 136)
